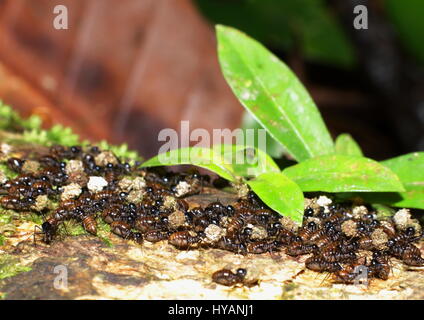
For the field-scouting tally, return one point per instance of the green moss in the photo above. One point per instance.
(103, 232)
(71, 228)
(55, 135)
(10, 120)
(33, 217)
(121, 151)
(58, 134)
(106, 241)
(5, 217)
(10, 266)
(10, 174)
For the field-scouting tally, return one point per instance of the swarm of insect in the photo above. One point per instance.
(147, 205)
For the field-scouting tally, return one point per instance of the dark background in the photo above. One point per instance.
(126, 69)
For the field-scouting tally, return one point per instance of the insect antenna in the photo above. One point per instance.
(298, 274)
(36, 227)
(326, 278)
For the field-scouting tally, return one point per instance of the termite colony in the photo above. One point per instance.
(147, 205)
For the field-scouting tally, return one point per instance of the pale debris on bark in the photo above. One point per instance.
(159, 271)
(96, 184)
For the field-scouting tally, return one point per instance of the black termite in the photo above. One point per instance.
(90, 225)
(123, 230)
(262, 246)
(227, 277)
(155, 235)
(15, 164)
(48, 230)
(299, 248)
(184, 239)
(320, 265)
(379, 266)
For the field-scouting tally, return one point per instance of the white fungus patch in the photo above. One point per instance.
(138, 183)
(128, 184)
(289, 224)
(241, 188)
(96, 184)
(71, 191)
(349, 228)
(74, 166)
(176, 219)
(214, 233)
(182, 189)
(135, 196)
(105, 157)
(258, 233)
(402, 218)
(169, 202)
(379, 239)
(41, 202)
(359, 211)
(324, 202)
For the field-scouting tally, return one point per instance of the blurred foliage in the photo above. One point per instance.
(285, 25)
(10, 119)
(55, 135)
(311, 26)
(120, 151)
(32, 132)
(407, 16)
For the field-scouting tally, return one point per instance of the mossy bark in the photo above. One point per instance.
(112, 268)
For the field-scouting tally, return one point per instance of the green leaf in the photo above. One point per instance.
(408, 199)
(201, 157)
(341, 173)
(271, 147)
(410, 169)
(346, 145)
(279, 193)
(274, 96)
(246, 161)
